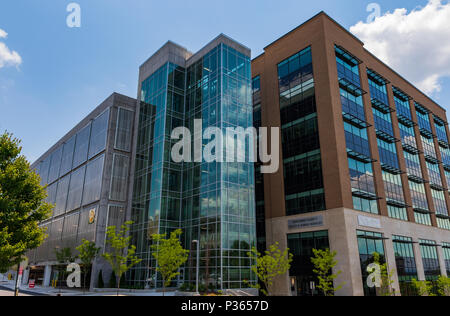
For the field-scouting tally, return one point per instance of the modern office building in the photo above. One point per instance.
(108, 170)
(213, 203)
(87, 173)
(365, 166)
(365, 161)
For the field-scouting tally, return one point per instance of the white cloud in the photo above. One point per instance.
(3, 34)
(416, 44)
(8, 57)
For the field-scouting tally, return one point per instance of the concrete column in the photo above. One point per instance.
(440, 253)
(419, 262)
(47, 276)
(343, 240)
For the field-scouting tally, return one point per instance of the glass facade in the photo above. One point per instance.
(446, 251)
(301, 272)
(300, 136)
(213, 202)
(355, 127)
(368, 244)
(406, 263)
(428, 250)
(74, 174)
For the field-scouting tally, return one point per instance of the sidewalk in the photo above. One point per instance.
(49, 291)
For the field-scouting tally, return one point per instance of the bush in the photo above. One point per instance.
(101, 284)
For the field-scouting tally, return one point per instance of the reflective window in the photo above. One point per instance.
(446, 250)
(55, 165)
(81, 146)
(406, 263)
(369, 243)
(61, 196)
(67, 156)
(44, 169)
(428, 250)
(75, 189)
(93, 180)
(99, 134)
(119, 178)
(124, 129)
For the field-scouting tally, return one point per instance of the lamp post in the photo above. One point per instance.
(198, 264)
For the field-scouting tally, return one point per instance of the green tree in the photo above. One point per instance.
(22, 205)
(443, 285)
(386, 276)
(170, 256)
(88, 252)
(270, 265)
(324, 261)
(122, 256)
(423, 288)
(64, 257)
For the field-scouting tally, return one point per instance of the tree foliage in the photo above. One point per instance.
(122, 256)
(22, 205)
(87, 254)
(324, 261)
(270, 265)
(169, 254)
(443, 285)
(386, 276)
(423, 288)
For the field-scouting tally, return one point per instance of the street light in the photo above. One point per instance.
(198, 264)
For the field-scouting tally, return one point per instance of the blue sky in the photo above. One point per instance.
(65, 72)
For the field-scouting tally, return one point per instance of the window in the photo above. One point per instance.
(301, 246)
(44, 169)
(428, 147)
(401, 100)
(413, 167)
(93, 180)
(393, 186)
(357, 140)
(75, 189)
(119, 178)
(406, 263)
(81, 146)
(428, 249)
(67, 156)
(369, 243)
(363, 186)
(408, 137)
(388, 154)
(124, 130)
(435, 174)
(441, 131)
(61, 196)
(423, 119)
(55, 165)
(99, 134)
(446, 250)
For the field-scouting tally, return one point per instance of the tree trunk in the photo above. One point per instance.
(118, 286)
(164, 287)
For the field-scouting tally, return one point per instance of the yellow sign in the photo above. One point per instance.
(92, 216)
